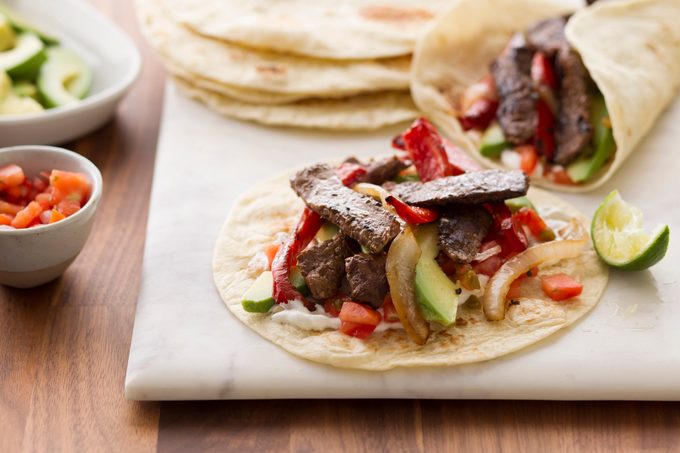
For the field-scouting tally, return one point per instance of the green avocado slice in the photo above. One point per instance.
(20, 24)
(435, 292)
(493, 142)
(64, 78)
(259, 299)
(24, 60)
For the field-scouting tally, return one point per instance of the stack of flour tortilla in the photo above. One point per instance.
(333, 65)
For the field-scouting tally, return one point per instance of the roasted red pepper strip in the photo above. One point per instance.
(542, 71)
(543, 75)
(544, 137)
(283, 290)
(309, 224)
(479, 115)
(412, 214)
(426, 150)
(463, 162)
(349, 172)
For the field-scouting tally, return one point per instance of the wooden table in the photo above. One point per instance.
(64, 349)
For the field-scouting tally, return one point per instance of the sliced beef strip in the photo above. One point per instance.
(323, 265)
(358, 216)
(511, 72)
(469, 188)
(548, 35)
(382, 170)
(367, 278)
(573, 130)
(461, 231)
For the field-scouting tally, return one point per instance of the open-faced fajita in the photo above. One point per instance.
(418, 258)
(565, 94)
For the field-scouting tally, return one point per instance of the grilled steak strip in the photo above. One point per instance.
(469, 188)
(573, 130)
(367, 278)
(323, 265)
(548, 35)
(358, 216)
(462, 230)
(511, 72)
(379, 171)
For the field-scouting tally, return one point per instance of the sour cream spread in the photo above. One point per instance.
(465, 294)
(296, 314)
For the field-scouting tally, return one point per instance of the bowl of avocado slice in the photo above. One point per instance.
(61, 75)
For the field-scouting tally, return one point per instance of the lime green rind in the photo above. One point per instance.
(653, 252)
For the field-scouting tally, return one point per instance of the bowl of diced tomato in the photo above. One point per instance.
(48, 199)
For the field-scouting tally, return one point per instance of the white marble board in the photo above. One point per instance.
(187, 345)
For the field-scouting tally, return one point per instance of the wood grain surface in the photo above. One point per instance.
(64, 348)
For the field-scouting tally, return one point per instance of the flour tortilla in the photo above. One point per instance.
(341, 29)
(272, 207)
(631, 49)
(274, 78)
(361, 112)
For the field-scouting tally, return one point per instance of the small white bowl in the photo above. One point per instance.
(114, 60)
(33, 256)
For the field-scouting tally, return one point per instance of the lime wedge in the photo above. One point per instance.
(620, 239)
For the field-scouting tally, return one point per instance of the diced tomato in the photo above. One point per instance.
(542, 71)
(506, 230)
(68, 207)
(529, 158)
(45, 217)
(530, 218)
(40, 183)
(45, 199)
(412, 214)
(11, 176)
(489, 266)
(27, 215)
(5, 219)
(56, 216)
(479, 115)
(270, 250)
(560, 176)
(359, 313)
(9, 208)
(361, 331)
(334, 305)
(389, 312)
(561, 287)
(515, 290)
(69, 185)
(446, 264)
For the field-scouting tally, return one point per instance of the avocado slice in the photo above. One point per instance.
(435, 292)
(515, 204)
(24, 88)
(64, 78)
(259, 299)
(20, 24)
(326, 232)
(15, 105)
(493, 142)
(7, 34)
(23, 61)
(586, 166)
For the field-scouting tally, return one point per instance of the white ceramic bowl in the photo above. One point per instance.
(110, 53)
(33, 256)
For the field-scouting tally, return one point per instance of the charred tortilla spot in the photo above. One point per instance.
(388, 13)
